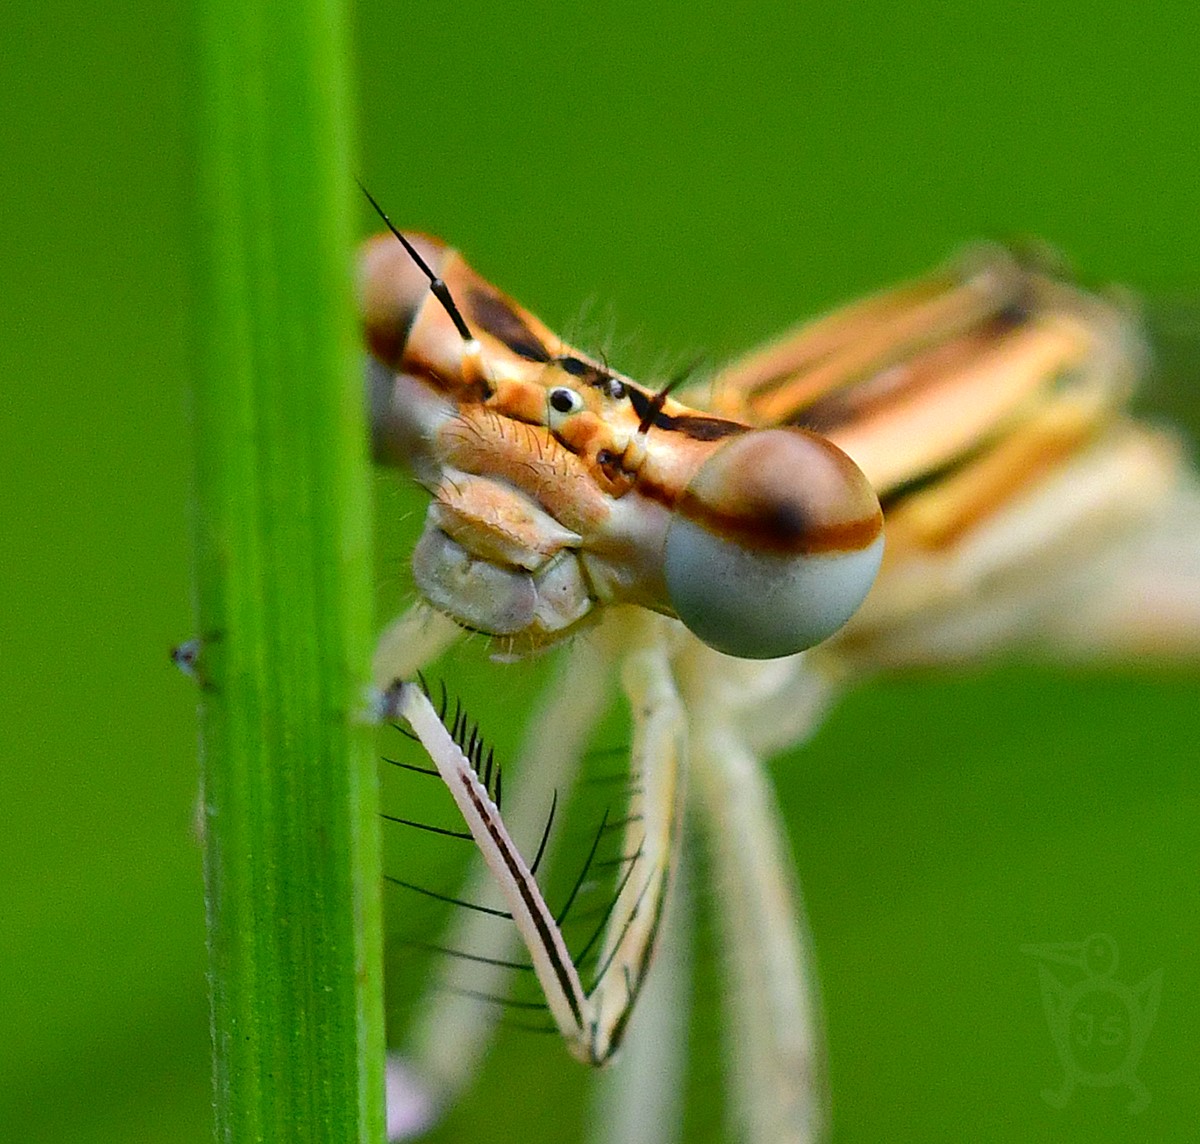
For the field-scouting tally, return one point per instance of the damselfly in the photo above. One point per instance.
(985, 404)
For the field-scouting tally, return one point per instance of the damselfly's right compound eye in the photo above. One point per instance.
(774, 544)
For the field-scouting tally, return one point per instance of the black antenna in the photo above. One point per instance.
(437, 287)
(648, 406)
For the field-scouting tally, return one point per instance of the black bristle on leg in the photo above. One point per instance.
(394, 881)
(587, 865)
(537, 860)
(486, 772)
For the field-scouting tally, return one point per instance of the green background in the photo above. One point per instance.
(703, 176)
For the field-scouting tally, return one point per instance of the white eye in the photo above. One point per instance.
(775, 543)
(561, 403)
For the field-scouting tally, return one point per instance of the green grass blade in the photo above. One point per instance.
(283, 570)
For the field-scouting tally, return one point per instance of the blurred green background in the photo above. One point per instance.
(703, 176)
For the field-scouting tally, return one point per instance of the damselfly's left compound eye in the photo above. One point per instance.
(774, 544)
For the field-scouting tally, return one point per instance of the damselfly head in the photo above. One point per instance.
(560, 486)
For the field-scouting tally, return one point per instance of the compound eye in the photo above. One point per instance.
(561, 403)
(774, 544)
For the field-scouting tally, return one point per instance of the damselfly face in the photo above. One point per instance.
(1023, 509)
(560, 486)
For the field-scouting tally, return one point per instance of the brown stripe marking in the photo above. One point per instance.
(494, 314)
(784, 491)
(784, 533)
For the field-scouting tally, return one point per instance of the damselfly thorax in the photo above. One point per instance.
(982, 406)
